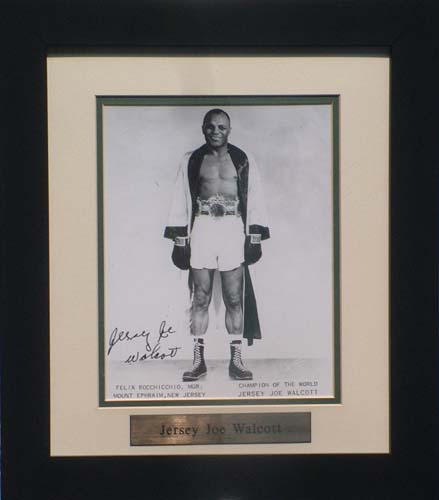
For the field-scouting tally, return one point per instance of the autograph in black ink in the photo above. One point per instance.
(152, 350)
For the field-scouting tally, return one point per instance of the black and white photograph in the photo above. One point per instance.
(218, 250)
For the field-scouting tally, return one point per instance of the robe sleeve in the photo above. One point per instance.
(256, 209)
(179, 216)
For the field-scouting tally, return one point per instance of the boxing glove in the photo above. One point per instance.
(181, 254)
(252, 248)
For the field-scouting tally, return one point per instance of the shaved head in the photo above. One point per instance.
(215, 111)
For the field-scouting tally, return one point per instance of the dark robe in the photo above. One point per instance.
(240, 160)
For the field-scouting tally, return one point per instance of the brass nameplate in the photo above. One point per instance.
(230, 428)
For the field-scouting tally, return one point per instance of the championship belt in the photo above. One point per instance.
(217, 207)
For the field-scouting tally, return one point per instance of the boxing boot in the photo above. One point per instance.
(199, 366)
(236, 369)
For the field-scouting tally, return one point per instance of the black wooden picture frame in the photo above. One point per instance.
(407, 29)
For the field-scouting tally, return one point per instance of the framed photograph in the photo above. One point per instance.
(182, 313)
(155, 317)
(220, 250)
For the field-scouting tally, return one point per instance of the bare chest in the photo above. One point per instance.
(215, 168)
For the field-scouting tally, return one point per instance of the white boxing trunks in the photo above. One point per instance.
(217, 243)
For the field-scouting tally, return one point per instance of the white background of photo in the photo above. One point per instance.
(292, 144)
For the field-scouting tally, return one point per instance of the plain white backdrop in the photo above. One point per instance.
(292, 145)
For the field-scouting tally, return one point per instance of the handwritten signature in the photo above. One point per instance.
(152, 350)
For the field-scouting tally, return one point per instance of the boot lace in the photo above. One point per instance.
(236, 358)
(197, 355)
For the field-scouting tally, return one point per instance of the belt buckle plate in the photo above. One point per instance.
(217, 210)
